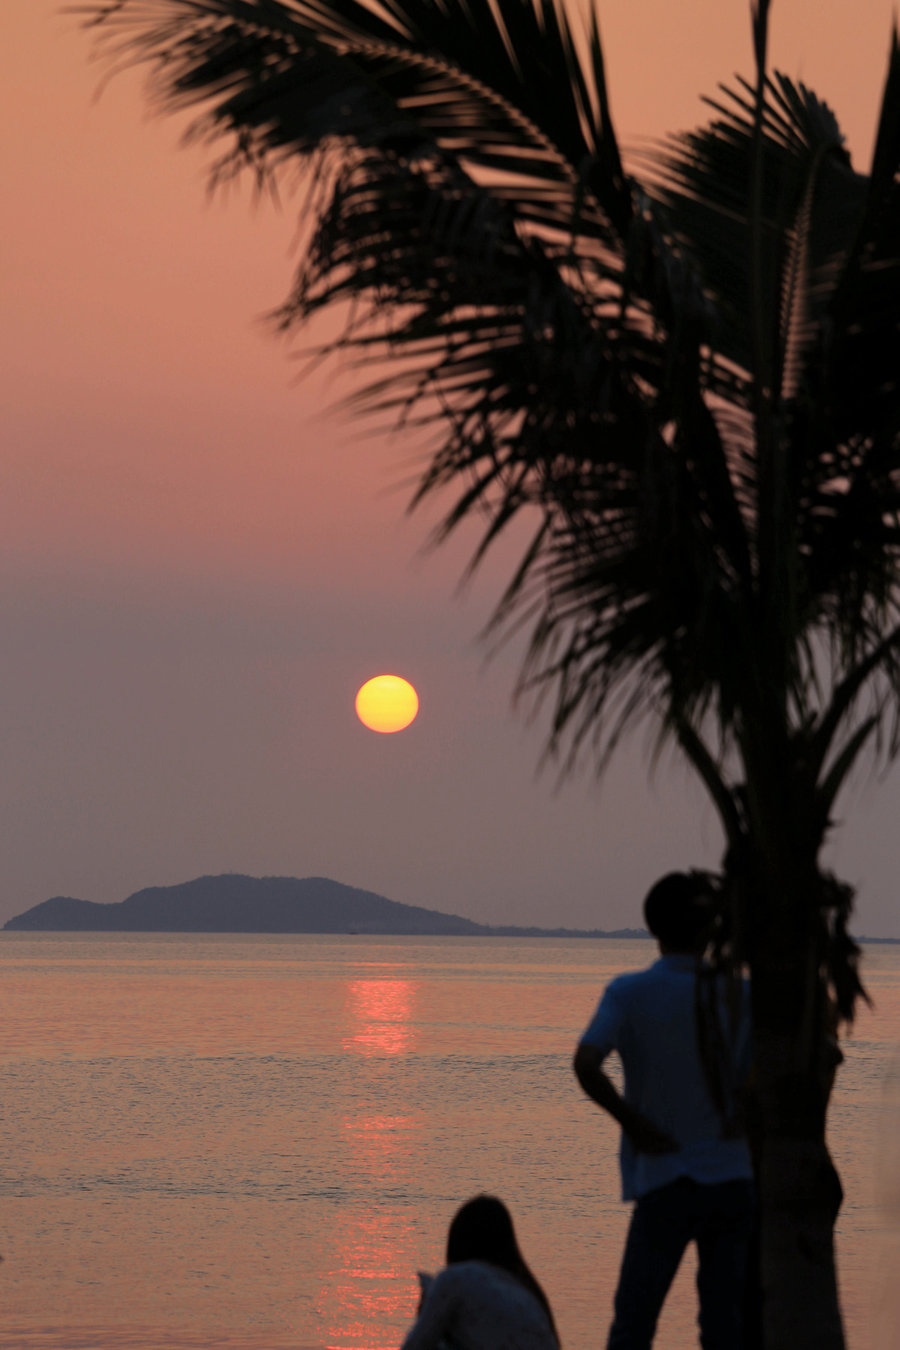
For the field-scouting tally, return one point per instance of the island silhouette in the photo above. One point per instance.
(234, 903)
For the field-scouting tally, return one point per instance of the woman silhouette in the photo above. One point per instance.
(485, 1298)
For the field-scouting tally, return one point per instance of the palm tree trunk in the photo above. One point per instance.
(799, 1194)
(783, 927)
(799, 1189)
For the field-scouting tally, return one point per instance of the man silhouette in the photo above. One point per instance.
(683, 1157)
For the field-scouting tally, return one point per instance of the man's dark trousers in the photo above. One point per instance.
(719, 1218)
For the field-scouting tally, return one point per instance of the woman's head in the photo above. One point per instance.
(482, 1230)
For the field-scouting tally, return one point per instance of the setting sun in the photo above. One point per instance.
(387, 703)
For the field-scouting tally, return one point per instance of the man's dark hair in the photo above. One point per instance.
(679, 909)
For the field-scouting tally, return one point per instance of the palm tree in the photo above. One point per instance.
(687, 379)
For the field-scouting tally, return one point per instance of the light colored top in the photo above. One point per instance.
(649, 1018)
(475, 1306)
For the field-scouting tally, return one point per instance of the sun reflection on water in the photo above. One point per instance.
(371, 1284)
(376, 1141)
(380, 1016)
(367, 1298)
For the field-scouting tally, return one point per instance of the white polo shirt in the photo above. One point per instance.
(649, 1018)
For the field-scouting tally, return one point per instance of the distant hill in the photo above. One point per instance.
(239, 904)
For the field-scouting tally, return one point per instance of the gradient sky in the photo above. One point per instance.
(201, 562)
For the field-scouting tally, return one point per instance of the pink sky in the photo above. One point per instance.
(201, 563)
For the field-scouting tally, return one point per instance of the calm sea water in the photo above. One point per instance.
(223, 1142)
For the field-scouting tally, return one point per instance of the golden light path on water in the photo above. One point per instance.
(374, 1251)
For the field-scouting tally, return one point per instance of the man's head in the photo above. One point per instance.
(679, 910)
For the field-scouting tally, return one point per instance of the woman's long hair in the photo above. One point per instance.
(482, 1230)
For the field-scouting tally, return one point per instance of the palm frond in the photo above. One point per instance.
(810, 205)
(461, 78)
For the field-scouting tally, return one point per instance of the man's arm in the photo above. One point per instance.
(643, 1134)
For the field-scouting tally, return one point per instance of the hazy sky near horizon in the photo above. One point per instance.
(202, 561)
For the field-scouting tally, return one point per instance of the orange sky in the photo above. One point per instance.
(201, 564)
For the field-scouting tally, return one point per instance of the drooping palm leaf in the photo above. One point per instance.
(421, 115)
(463, 78)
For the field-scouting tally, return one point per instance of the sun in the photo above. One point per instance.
(387, 703)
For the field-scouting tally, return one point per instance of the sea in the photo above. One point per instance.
(253, 1143)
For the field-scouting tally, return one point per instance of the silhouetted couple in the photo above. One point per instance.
(684, 1159)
